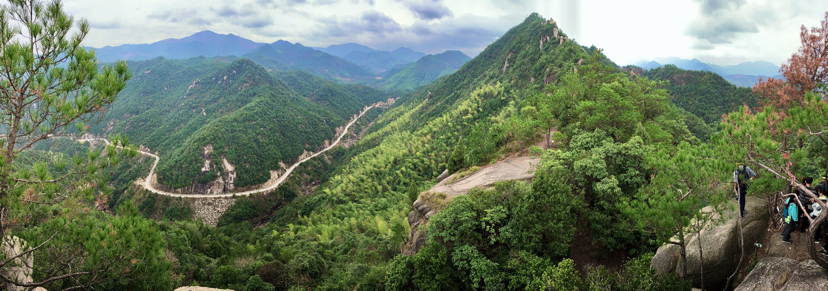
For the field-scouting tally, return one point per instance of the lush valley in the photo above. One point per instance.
(244, 114)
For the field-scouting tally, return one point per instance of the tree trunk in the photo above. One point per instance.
(701, 255)
(812, 248)
(683, 254)
(742, 257)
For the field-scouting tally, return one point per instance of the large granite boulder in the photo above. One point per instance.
(808, 275)
(424, 207)
(770, 274)
(21, 268)
(720, 242)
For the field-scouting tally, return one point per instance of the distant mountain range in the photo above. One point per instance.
(341, 50)
(284, 56)
(424, 71)
(745, 74)
(205, 43)
(350, 62)
(377, 60)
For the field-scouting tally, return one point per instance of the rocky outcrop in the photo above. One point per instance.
(769, 274)
(511, 169)
(720, 242)
(808, 275)
(426, 206)
(432, 201)
(211, 210)
(784, 274)
(21, 268)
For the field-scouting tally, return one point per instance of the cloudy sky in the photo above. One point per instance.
(722, 32)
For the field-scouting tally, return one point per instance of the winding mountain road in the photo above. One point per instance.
(275, 185)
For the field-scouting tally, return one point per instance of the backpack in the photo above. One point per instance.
(742, 177)
(785, 209)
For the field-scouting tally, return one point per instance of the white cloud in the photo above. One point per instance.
(628, 30)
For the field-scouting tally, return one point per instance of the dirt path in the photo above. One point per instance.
(281, 179)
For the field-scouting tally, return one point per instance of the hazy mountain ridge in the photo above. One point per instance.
(205, 43)
(424, 71)
(340, 50)
(744, 74)
(285, 56)
(381, 61)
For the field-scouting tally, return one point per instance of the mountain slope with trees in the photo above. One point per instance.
(424, 71)
(344, 235)
(248, 116)
(705, 94)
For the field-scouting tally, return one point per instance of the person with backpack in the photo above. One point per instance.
(790, 214)
(740, 178)
(805, 200)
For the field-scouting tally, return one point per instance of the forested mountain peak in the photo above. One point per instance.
(533, 53)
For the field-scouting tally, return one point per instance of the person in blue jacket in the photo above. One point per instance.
(791, 217)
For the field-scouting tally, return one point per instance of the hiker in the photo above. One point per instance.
(740, 178)
(821, 191)
(817, 211)
(805, 200)
(821, 188)
(790, 214)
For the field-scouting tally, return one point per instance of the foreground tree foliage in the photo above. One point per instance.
(782, 133)
(804, 72)
(50, 86)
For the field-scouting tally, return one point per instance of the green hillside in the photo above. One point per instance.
(285, 56)
(342, 99)
(703, 93)
(248, 116)
(424, 71)
(345, 235)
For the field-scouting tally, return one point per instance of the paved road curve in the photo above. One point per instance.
(279, 181)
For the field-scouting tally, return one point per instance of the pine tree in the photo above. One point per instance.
(50, 85)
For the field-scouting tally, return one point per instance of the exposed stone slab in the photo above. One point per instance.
(769, 274)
